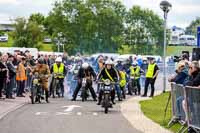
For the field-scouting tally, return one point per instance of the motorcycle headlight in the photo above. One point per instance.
(35, 81)
(107, 82)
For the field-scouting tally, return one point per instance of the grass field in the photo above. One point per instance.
(44, 47)
(155, 108)
(176, 50)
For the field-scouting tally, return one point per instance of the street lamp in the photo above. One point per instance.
(165, 6)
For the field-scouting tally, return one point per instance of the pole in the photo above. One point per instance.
(164, 52)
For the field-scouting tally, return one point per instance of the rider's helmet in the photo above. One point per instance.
(85, 65)
(109, 62)
(58, 59)
(134, 64)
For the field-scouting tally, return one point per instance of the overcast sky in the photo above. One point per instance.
(182, 13)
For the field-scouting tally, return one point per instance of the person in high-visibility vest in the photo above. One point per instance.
(151, 75)
(135, 71)
(122, 83)
(59, 71)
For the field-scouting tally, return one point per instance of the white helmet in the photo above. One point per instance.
(58, 59)
(85, 65)
(109, 62)
(134, 63)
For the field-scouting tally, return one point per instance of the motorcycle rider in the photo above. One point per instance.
(135, 71)
(86, 71)
(43, 69)
(108, 73)
(60, 71)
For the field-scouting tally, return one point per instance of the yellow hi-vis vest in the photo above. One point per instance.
(122, 82)
(135, 73)
(59, 70)
(150, 70)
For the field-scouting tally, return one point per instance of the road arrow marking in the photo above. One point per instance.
(62, 113)
(70, 108)
(41, 113)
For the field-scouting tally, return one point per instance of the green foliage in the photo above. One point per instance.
(155, 108)
(89, 26)
(37, 18)
(192, 28)
(27, 34)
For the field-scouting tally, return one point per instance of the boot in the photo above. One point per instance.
(47, 96)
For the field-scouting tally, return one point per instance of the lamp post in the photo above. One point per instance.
(165, 6)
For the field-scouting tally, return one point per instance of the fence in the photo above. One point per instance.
(177, 94)
(188, 98)
(192, 96)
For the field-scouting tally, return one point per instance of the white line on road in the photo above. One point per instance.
(41, 113)
(79, 113)
(62, 113)
(70, 108)
(95, 114)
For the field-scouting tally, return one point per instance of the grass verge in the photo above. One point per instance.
(155, 108)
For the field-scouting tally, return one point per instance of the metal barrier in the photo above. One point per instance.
(192, 96)
(177, 96)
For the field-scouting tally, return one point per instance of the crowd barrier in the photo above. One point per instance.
(189, 98)
(192, 96)
(177, 93)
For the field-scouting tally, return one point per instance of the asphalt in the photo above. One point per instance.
(56, 117)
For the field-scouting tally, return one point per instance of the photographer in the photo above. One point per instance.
(181, 74)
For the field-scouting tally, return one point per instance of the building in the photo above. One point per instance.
(6, 26)
(176, 32)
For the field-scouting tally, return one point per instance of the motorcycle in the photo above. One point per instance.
(84, 91)
(106, 86)
(56, 89)
(132, 85)
(36, 89)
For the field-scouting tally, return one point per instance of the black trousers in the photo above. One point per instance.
(88, 86)
(61, 86)
(2, 83)
(147, 82)
(20, 87)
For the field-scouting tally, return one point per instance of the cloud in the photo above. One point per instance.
(15, 2)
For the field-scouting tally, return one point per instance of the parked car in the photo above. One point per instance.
(4, 38)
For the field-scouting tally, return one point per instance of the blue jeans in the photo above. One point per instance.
(117, 88)
(179, 109)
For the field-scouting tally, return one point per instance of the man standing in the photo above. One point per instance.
(21, 77)
(12, 73)
(59, 71)
(152, 73)
(3, 73)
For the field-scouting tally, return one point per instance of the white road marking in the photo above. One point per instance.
(79, 113)
(41, 113)
(95, 114)
(70, 108)
(62, 113)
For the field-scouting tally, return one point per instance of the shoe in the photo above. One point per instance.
(113, 102)
(98, 103)
(151, 96)
(120, 99)
(47, 101)
(144, 95)
(95, 100)
(73, 99)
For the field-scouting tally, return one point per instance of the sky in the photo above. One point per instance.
(181, 14)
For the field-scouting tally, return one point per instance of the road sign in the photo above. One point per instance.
(198, 37)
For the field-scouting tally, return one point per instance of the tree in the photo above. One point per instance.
(37, 18)
(143, 27)
(26, 34)
(89, 25)
(192, 28)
